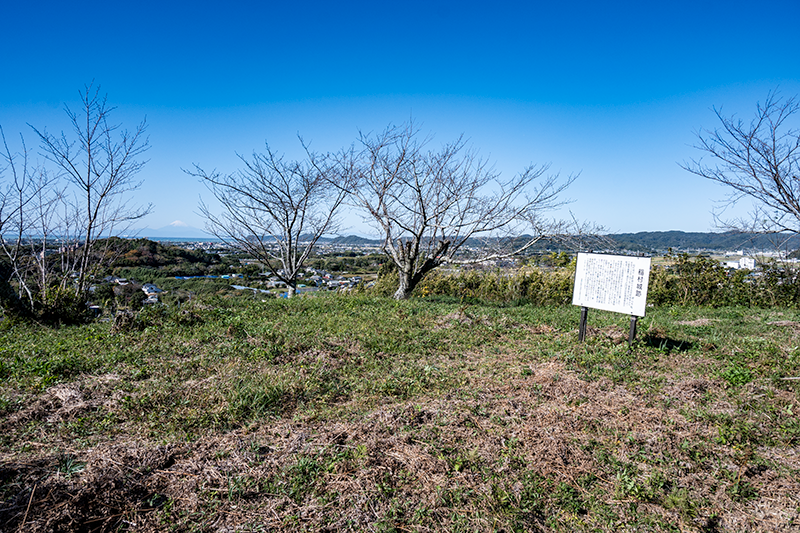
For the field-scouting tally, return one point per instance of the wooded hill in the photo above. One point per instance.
(729, 241)
(653, 241)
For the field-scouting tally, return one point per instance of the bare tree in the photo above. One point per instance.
(276, 210)
(15, 197)
(101, 162)
(430, 205)
(757, 160)
(28, 196)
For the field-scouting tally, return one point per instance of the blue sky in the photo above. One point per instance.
(613, 91)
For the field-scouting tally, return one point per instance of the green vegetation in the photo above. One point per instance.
(147, 253)
(357, 412)
(687, 281)
(470, 407)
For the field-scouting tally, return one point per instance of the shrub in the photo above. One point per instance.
(699, 281)
(130, 295)
(535, 286)
(61, 305)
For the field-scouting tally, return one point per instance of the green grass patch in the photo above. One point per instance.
(356, 412)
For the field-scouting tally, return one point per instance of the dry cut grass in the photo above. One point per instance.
(504, 423)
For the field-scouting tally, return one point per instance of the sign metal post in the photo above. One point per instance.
(582, 324)
(616, 283)
(632, 332)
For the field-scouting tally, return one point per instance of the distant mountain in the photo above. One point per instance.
(354, 240)
(175, 230)
(681, 240)
(645, 241)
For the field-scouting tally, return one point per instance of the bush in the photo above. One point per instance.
(703, 281)
(61, 305)
(387, 281)
(103, 294)
(130, 295)
(699, 281)
(535, 286)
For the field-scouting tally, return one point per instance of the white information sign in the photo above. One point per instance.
(612, 282)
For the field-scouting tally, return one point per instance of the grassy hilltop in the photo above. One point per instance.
(355, 412)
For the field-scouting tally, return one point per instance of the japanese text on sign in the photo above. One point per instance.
(612, 282)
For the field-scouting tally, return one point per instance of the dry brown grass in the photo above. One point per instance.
(550, 421)
(654, 441)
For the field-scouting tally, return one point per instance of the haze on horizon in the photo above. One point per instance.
(613, 92)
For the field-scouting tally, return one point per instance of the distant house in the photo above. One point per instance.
(151, 290)
(748, 263)
(115, 279)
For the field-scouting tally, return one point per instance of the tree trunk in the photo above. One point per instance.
(408, 279)
(292, 290)
(405, 286)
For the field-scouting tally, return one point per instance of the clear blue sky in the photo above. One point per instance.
(612, 90)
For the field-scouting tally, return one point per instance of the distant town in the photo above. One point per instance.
(647, 243)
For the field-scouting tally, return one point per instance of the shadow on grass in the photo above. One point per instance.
(666, 344)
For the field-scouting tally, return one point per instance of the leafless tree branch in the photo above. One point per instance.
(428, 203)
(276, 210)
(757, 160)
(101, 162)
(28, 198)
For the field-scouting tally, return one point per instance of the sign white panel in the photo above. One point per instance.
(612, 282)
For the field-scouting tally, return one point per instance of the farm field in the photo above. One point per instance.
(361, 413)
